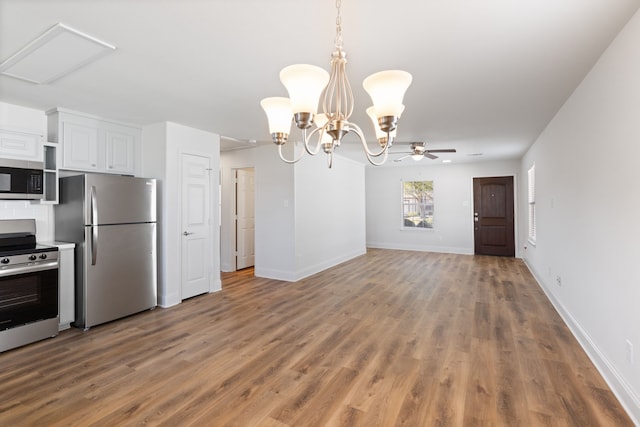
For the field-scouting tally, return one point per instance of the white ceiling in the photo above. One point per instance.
(487, 75)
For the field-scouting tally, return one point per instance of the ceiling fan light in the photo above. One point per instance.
(386, 89)
(305, 84)
(417, 157)
(278, 110)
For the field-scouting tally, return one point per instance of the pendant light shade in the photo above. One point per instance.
(305, 84)
(371, 112)
(278, 110)
(386, 89)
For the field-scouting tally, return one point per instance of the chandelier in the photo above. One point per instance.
(308, 84)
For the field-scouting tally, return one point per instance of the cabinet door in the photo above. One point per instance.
(120, 152)
(80, 147)
(18, 145)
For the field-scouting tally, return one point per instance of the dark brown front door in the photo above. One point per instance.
(493, 216)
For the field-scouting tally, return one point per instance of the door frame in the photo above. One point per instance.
(235, 219)
(233, 232)
(516, 217)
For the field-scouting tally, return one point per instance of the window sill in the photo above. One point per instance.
(420, 229)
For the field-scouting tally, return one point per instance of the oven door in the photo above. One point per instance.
(28, 294)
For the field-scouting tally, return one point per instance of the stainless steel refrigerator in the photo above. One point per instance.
(112, 221)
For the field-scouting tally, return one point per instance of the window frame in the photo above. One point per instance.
(403, 204)
(532, 231)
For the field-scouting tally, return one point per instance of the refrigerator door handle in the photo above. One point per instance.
(94, 206)
(94, 228)
(94, 244)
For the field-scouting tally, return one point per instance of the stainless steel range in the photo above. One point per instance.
(28, 285)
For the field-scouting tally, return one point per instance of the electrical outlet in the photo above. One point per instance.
(558, 280)
(629, 347)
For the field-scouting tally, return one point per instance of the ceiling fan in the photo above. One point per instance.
(418, 151)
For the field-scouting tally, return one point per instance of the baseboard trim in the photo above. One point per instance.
(629, 400)
(420, 248)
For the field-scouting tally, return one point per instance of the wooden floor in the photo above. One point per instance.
(389, 338)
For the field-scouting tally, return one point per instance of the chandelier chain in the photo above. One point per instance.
(338, 41)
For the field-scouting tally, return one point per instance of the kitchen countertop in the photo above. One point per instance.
(60, 245)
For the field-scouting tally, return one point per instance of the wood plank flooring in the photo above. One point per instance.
(389, 338)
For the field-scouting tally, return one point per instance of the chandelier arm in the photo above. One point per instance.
(307, 138)
(356, 129)
(348, 94)
(374, 163)
(327, 96)
(287, 160)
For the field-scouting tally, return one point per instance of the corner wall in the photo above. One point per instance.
(330, 213)
(307, 217)
(588, 214)
(163, 146)
(274, 211)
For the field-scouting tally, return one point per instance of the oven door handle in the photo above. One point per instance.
(12, 271)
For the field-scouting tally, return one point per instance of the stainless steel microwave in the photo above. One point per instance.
(21, 179)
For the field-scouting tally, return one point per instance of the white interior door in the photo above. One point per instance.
(196, 225)
(245, 223)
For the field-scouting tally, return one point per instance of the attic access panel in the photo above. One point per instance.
(54, 54)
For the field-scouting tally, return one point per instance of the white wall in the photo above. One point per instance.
(308, 217)
(329, 213)
(589, 213)
(163, 145)
(453, 204)
(22, 119)
(274, 211)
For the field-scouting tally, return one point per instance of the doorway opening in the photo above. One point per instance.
(244, 218)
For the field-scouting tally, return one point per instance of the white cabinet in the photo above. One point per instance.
(51, 161)
(20, 145)
(93, 144)
(66, 284)
(120, 150)
(80, 146)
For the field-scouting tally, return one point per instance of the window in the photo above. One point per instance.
(532, 204)
(417, 204)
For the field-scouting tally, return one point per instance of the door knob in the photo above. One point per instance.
(186, 233)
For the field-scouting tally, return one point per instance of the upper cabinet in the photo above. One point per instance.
(94, 144)
(20, 145)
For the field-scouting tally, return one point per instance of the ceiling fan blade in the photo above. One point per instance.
(429, 155)
(401, 158)
(442, 150)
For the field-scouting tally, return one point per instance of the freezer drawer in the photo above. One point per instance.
(120, 272)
